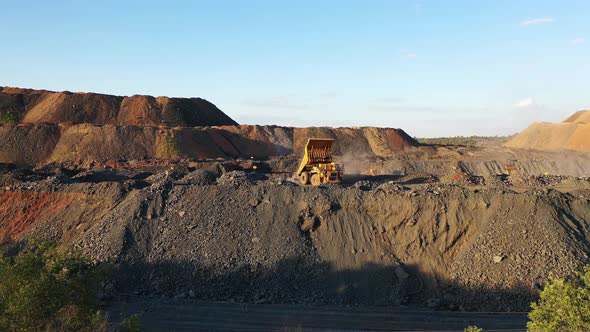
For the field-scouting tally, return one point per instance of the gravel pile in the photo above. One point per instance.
(237, 178)
(198, 177)
(253, 240)
(164, 175)
(552, 181)
(365, 185)
(391, 187)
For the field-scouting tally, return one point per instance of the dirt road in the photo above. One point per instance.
(173, 315)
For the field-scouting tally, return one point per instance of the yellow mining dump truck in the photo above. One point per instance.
(317, 166)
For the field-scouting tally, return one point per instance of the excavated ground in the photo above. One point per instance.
(182, 200)
(259, 238)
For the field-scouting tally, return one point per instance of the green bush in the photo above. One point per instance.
(44, 288)
(473, 328)
(131, 324)
(564, 305)
(169, 145)
(7, 117)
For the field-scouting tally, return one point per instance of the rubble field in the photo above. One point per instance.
(261, 238)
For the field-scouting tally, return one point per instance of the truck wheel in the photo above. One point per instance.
(315, 179)
(304, 178)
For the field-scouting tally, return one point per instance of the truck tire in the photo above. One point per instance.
(304, 178)
(315, 179)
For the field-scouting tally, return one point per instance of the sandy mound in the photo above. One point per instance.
(39, 106)
(544, 136)
(579, 116)
(572, 134)
(580, 139)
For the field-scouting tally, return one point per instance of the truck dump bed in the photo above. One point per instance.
(317, 151)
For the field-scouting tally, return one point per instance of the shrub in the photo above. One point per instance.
(169, 145)
(564, 305)
(44, 288)
(131, 324)
(473, 328)
(7, 117)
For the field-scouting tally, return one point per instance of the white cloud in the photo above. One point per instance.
(525, 103)
(411, 55)
(578, 40)
(537, 21)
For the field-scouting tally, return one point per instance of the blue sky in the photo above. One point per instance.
(433, 68)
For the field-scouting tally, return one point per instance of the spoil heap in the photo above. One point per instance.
(84, 144)
(247, 238)
(571, 134)
(80, 129)
(41, 106)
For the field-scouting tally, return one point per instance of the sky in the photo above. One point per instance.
(433, 68)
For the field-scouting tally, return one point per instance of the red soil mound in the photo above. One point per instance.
(83, 144)
(74, 107)
(140, 110)
(38, 106)
(24, 210)
(82, 128)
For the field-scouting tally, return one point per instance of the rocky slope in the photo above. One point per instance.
(246, 238)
